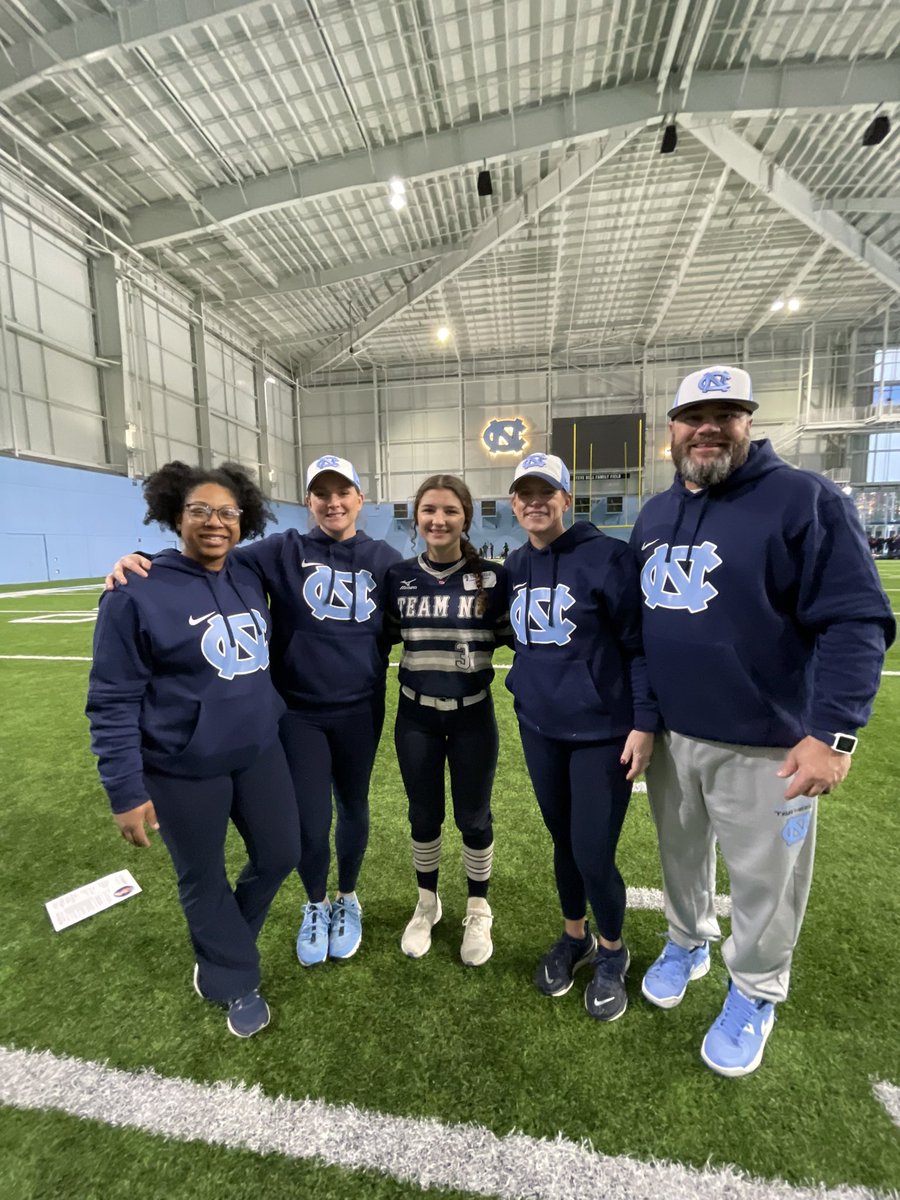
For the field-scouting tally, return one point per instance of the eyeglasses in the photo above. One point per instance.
(228, 514)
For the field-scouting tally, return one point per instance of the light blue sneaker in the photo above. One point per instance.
(737, 1038)
(312, 940)
(666, 981)
(346, 927)
(248, 1015)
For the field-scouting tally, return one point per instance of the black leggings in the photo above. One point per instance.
(583, 796)
(332, 749)
(467, 740)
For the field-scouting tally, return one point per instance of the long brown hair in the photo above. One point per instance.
(453, 483)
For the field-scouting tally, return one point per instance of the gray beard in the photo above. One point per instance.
(708, 474)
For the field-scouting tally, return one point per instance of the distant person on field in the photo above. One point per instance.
(585, 716)
(184, 722)
(765, 628)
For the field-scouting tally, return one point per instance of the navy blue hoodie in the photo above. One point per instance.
(328, 646)
(764, 618)
(575, 606)
(180, 681)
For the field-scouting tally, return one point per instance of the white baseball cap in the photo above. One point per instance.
(543, 466)
(331, 462)
(711, 384)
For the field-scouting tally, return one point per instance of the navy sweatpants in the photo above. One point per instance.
(193, 820)
(332, 749)
(466, 739)
(583, 796)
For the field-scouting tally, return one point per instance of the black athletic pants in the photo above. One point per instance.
(583, 796)
(332, 749)
(465, 738)
(193, 821)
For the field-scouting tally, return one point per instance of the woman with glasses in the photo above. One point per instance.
(184, 722)
(329, 662)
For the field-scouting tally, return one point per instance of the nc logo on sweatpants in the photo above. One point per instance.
(546, 623)
(795, 828)
(668, 584)
(330, 594)
(250, 651)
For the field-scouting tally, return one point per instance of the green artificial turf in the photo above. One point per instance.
(427, 1038)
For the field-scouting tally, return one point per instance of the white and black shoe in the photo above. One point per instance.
(605, 997)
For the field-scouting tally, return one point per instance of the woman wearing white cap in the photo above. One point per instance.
(586, 716)
(328, 661)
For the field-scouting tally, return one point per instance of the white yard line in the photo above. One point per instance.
(888, 1095)
(59, 591)
(43, 658)
(425, 1153)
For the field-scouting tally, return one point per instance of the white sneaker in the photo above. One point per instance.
(477, 946)
(416, 939)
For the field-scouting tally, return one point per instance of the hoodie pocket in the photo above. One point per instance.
(331, 668)
(228, 735)
(559, 699)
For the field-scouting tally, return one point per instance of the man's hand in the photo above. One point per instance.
(131, 823)
(816, 769)
(638, 749)
(131, 562)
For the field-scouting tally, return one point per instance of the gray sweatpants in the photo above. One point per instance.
(702, 792)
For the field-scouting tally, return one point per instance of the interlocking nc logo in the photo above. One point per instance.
(795, 828)
(668, 584)
(504, 437)
(535, 606)
(326, 461)
(329, 594)
(714, 381)
(250, 652)
(535, 460)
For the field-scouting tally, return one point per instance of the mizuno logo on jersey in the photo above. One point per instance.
(330, 594)
(677, 582)
(544, 614)
(250, 652)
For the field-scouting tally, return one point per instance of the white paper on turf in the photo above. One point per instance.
(92, 898)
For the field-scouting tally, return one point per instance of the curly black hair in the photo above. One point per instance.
(166, 490)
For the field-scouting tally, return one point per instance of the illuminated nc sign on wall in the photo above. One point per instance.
(505, 435)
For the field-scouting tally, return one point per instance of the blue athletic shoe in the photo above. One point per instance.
(248, 1015)
(666, 981)
(312, 940)
(735, 1043)
(346, 927)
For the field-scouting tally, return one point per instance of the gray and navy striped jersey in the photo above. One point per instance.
(447, 646)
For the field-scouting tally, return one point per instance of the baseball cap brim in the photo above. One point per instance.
(554, 483)
(749, 406)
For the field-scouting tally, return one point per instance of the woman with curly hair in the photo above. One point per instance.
(184, 722)
(448, 607)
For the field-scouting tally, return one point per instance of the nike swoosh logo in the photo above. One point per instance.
(200, 620)
(600, 1003)
(547, 976)
(651, 543)
(304, 563)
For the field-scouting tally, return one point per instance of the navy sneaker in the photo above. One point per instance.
(248, 1015)
(605, 997)
(666, 980)
(737, 1038)
(345, 933)
(312, 940)
(556, 970)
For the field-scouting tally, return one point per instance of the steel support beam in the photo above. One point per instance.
(541, 195)
(71, 46)
(871, 204)
(584, 115)
(309, 280)
(796, 199)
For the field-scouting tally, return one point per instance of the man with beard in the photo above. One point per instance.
(765, 627)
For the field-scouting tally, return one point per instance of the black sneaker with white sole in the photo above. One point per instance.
(605, 997)
(556, 970)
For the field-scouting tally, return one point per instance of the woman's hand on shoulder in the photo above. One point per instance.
(131, 823)
(129, 562)
(637, 753)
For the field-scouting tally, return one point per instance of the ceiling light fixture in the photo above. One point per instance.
(669, 139)
(397, 201)
(793, 304)
(877, 130)
(397, 186)
(777, 305)
(443, 334)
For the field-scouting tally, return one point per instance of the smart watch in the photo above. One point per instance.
(844, 743)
